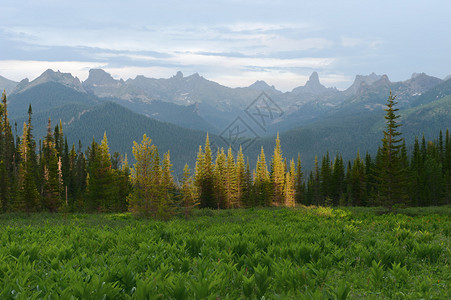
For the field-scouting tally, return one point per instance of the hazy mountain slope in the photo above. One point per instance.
(46, 96)
(7, 85)
(180, 115)
(437, 92)
(123, 127)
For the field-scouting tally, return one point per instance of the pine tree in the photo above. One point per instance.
(240, 178)
(189, 198)
(7, 158)
(248, 198)
(220, 179)
(166, 204)
(262, 182)
(277, 174)
(370, 182)
(326, 180)
(231, 181)
(299, 182)
(101, 190)
(124, 185)
(51, 185)
(28, 195)
(205, 177)
(81, 174)
(199, 172)
(417, 179)
(289, 189)
(358, 182)
(390, 172)
(145, 176)
(338, 180)
(316, 184)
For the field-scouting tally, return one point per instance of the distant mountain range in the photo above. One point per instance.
(311, 118)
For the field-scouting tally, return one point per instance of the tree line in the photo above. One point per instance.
(51, 176)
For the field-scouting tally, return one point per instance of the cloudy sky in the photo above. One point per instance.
(233, 42)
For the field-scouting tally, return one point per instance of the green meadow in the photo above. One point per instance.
(268, 253)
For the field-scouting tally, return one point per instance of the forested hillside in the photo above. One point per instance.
(52, 175)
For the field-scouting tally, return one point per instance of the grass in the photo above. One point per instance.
(302, 253)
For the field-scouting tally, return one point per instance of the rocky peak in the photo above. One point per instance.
(364, 80)
(179, 75)
(51, 76)
(262, 86)
(312, 86)
(98, 77)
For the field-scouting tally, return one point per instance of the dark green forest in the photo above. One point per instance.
(50, 175)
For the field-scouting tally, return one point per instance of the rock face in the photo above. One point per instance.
(312, 86)
(65, 79)
(98, 77)
(362, 79)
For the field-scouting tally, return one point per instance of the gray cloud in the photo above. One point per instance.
(279, 41)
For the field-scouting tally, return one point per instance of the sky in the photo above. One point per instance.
(234, 43)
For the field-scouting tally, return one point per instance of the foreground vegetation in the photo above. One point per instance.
(278, 253)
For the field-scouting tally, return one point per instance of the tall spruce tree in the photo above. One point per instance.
(146, 176)
(390, 173)
(289, 188)
(188, 192)
(326, 180)
(231, 181)
(220, 179)
(299, 182)
(205, 177)
(167, 202)
(7, 158)
(240, 178)
(51, 174)
(338, 180)
(28, 196)
(277, 174)
(357, 182)
(262, 183)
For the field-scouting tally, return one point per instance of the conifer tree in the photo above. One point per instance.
(51, 184)
(7, 158)
(370, 182)
(357, 182)
(326, 180)
(220, 179)
(417, 179)
(338, 180)
(189, 195)
(231, 181)
(289, 189)
(124, 185)
(81, 175)
(262, 182)
(101, 189)
(316, 184)
(146, 179)
(391, 174)
(277, 174)
(299, 182)
(205, 177)
(248, 197)
(309, 192)
(28, 195)
(166, 204)
(199, 172)
(240, 177)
